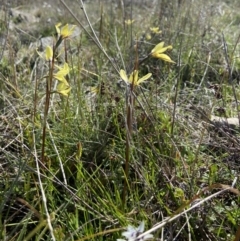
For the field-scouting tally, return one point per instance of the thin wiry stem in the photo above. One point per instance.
(176, 88)
(44, 199)
(58, 155)
(129, 122)
(47, 105)
(119, 51)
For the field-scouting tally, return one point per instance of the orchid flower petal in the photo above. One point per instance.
(48, 53)
(145, 77)
(124, 76)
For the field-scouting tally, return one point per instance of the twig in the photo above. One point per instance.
(177, 214)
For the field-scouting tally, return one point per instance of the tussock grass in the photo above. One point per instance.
(112, 155)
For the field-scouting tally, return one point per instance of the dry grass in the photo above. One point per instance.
(177, 158)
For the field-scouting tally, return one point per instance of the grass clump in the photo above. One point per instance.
(111, 125)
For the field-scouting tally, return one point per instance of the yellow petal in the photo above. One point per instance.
(63, 89)
(49, 53)
(129, 21)
(158, 47)
(135, 77)
(145, 77)
(164, 49)
(66, 31)
(57, 26)
(155, 30)
(148, 36)
(124, 76)
(62, 86)
(130, 80)
(65, 92)
(63, 71)
(164, 57)
(60, 78)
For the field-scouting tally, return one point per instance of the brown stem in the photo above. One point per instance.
(47, 103)
(128, 141)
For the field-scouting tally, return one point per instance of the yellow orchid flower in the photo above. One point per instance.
(48, 53)
(63, 71)
(57, 26)
(64, 31)
(148, 36)
(133, 78)
(63, 86)
(158, 52)
(63, 89)
(129, 21)
(61, 78)
(155, 30)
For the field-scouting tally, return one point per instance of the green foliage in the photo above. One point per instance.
(103, 131)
